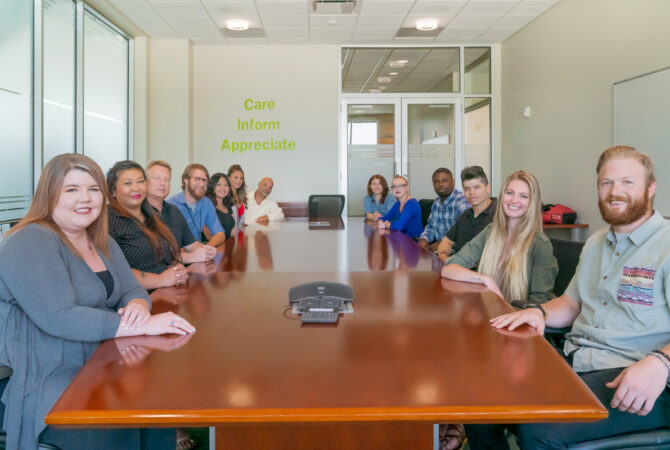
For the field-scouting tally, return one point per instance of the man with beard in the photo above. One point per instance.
(196, 209)
(619, 309)
(447, 207)
(259, 207)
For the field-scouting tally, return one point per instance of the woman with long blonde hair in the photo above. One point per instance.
(512, 255)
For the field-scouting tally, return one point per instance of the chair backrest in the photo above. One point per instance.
(5, 372)
(426, 205)
(567, 255)
(325, 205)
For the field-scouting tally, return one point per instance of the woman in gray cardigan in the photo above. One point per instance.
(64, 282)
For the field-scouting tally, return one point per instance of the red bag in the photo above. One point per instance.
(558, 214)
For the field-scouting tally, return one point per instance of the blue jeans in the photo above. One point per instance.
(560, 435)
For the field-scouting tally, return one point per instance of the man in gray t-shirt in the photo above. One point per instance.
(618, 306)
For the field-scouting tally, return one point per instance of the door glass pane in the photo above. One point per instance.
(105, 93)
(477, 76)
(430, 139)
(16, 97)
(59, 77)
(478, 133)
(375, 70)
(370, 150)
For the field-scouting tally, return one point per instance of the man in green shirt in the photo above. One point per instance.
(618, 306)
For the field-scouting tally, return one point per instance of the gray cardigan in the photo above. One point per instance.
(51, 300)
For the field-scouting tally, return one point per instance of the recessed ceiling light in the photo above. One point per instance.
(426, 24)
(398, 63)
(238, 25)
(384, 79)
(375, 91)
(332, 22)
(382, 87)
(393, 73)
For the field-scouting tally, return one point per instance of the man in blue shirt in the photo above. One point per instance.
(198, 210)
(447, 207)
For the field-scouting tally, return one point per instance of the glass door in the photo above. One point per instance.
(372, 146)
(431, 130)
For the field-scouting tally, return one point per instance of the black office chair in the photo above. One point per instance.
(324, 205)
(426, 204)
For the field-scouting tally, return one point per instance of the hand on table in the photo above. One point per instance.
(381, 224)
(134, 314)
(175, 275)
(374, 216)
(531, 316)
(638, 386)
(423, 243)
(204, 253)
(167, 323)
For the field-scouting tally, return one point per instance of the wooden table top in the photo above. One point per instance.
(417, 348)
(294, 245)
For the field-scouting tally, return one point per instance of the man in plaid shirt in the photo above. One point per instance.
(447, 207)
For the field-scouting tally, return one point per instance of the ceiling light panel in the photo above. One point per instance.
(473, 21)
(486, 8)
(222, 22)
(279, 8)
(412, 21)
(230, 9)
(177, 9)
(390, 8)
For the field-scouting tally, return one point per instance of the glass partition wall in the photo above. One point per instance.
(438, 100)
(68, 91)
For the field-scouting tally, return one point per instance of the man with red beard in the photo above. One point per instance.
(198, 210)
(618, 306)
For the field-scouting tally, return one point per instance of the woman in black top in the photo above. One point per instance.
(220, 193)
(147, 244)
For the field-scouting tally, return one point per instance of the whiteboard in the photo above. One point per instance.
(642, 120)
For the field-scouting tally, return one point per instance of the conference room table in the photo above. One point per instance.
(417, 350)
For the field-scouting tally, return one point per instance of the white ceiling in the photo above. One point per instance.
(294, 21)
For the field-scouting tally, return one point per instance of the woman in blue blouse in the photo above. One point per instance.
(405, 214)
(377, 202)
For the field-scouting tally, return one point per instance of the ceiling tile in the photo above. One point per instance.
(461, 33)
(160, 33)
(532, 7)
(128, 7)
(498, 33)
(510, 21)
(153, 21)
(208, 41)
(374, 33)
(247, 41)
(473, 21)
(433, 8)
(370, 41)
(318, 21)
(177, 9)
(488, 7)
(287, 41)
(285, 22)
(391, 8)
(280, 8)
(189, 22)
(380, 21)
(413, 40)
(213, 33)
(231, 9)
(286, 33)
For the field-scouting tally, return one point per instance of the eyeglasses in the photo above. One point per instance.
(199, 180)
(398, 186)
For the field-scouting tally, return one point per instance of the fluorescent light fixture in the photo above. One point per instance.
(382, 87)
(398, 63)
(375, 91)
(238, 25)
(384, 79)
(393, 73)
(426, 24)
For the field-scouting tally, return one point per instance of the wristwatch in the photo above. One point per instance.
(535, 305)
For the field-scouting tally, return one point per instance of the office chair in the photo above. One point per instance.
(325, 205)
(426, 204)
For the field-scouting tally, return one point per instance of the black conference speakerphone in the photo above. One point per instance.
(320, 301)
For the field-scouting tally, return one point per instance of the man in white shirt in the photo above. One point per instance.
(260, 208)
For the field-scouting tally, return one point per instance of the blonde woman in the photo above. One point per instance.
(514, 257)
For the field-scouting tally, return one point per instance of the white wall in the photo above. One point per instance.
(563, 65)
(302, 83)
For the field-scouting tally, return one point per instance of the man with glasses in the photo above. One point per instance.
(447, 207)
(198, 211)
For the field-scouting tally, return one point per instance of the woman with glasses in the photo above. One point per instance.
(149, 246)
(405, 214)
(65, 286)
(377, 202)
(220, 193)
